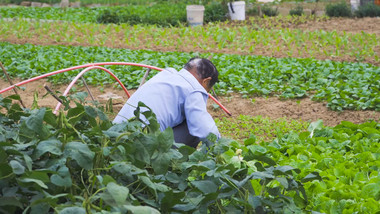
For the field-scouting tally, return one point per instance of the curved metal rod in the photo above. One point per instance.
(74, 68)
(98, 64)
(80, 75)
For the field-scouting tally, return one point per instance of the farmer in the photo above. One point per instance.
(179, 101)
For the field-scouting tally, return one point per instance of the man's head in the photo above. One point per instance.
(204, 71)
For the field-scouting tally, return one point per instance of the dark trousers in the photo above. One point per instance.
(182, 135)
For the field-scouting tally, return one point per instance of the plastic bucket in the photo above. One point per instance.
(236, 10)
(354, 4)
(195, 14)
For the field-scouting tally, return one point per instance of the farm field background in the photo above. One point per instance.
(277, 76)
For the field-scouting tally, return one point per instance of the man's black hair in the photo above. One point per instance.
(204, 67)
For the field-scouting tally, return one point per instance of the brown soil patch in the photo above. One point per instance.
(354, 25)
(272, 107)
(348, 25)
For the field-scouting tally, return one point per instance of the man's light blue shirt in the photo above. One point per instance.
(173, 96)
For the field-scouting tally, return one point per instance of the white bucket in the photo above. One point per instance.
(354, 4)
(236, 10)
(195, 14)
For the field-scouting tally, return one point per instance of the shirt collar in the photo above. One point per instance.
(192, 80)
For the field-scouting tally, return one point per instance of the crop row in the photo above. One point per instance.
(162, 14)
(220, 38)
(343, 85)
(347, 159)
(127, 167)
(86, 2)
(79, 162)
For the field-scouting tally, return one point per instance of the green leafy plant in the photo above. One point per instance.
(215, 11)
(107, 17)
(258, 127)
(270, 11)
(346, 158)
(338, 10)
(298, 11)
(270, 37)
(368, 10)
(80, 162)
(343, 85)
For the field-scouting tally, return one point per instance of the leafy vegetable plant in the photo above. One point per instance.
(79, 162)
(343, 85)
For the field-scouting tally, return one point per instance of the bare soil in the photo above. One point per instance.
(272, 107)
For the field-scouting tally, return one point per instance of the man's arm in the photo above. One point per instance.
(199, 121)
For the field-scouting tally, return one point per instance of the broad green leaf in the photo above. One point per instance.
(73, 210)
(250, 141)
(165, 139)
(371, 190)
(205, 186)
(141, 209)
(10, 201)
(28, 162)
(90, 111)
(262, 175)
(285, 170)
(53, 146)
(50, 118)
(32, 180)
(17, 167)
(161, 163)
(5, 170)
(312, 176)
(35, 121)
(39, 208)
(106, 179)
(3, 156)
(155, 186)
(75, 114)
(118, 193)
(171, 199)
(283, 181)
(62, 178)
(80, 153)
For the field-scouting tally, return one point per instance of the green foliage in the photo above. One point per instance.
(270, 36)
(157, 14)
(368, 10)
(107, 17)
(298, 11)
(253, 11)
(347, 159)
(80, 15)
(338, 10)
(343, 85)
(269, 10)
(160, 14)
(79, 162)
(263, 128)
(215, 11)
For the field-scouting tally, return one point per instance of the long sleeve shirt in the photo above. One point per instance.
(174, 97)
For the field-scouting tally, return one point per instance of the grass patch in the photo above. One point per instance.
(264, 128)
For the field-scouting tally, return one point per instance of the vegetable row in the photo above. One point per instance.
(80, 162)
(342, 85)
(217, 37)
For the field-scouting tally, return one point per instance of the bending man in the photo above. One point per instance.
(179, 101)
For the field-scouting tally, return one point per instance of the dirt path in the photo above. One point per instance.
(304, 109)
